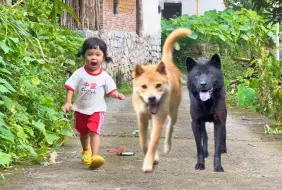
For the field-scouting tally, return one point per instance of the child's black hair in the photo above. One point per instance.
(94, 43)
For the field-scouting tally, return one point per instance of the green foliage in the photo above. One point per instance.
(275, 129)
(270, 86)
(272, 9)
(227, 28)
(136, 133)
(119, 78)
(57, 8)
(2, 179)
(238, 4)
(5, 159)
(246, 96)
(34, 57)
(125, 88)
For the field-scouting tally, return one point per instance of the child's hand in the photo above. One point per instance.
(117, 95)
(120, 96)
(68, 106)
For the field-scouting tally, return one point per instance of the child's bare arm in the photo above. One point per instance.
(68, 106)
(117, 95)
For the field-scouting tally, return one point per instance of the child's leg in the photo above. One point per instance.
(97, 161)
(81, 127)
(84, 142)
(94, 125)
(94, 143)
(86, 153)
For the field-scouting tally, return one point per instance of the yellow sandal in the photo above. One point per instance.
(97, 162)
(86, 157)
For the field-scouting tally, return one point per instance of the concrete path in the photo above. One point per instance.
(253, 161)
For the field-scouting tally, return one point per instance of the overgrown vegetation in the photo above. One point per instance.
(123, 85)
(35, 54)
(270, 9)
(257, 82)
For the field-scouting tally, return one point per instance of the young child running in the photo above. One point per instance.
(90, 83)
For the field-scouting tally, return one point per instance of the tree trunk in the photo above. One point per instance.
(139, 18)
(226, 4)
(3, 2)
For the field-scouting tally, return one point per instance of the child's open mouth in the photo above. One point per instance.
(93, 63)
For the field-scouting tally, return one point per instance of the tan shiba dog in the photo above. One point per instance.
(156, 95)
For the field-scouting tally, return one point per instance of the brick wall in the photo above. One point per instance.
(125, 20)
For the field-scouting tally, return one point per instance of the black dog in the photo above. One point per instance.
(207, 104)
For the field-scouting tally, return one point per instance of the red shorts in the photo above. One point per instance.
(86, 123)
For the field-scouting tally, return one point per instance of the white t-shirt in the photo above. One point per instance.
(90, 89)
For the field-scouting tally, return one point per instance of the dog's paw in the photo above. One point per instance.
(206, 154)
(218, 169)
(147, 168)
(167, 148)
(223, 150)
(200, 166)
(156, 158)
(148, 163)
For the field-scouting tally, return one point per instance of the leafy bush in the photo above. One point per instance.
(269, 86)
(34, 57)
(246, 96)
(227, 28)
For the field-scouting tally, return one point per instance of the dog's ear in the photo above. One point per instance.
(190, 63)
(138, 71)
(215, 61)
(161, 68)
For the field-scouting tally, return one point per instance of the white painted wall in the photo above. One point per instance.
(189, 6)
(151, 18)
(205, 5)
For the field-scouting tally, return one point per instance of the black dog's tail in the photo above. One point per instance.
(169, 42)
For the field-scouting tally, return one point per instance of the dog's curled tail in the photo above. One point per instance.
(170, 40)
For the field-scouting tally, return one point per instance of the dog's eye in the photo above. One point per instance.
(144, 86)
(197, 74)
(158, 85)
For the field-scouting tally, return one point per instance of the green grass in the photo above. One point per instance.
(273, 129)
(126, 88)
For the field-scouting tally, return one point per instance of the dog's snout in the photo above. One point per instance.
(152, 99)
(203, 84)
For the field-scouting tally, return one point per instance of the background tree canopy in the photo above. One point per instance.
(271, 8)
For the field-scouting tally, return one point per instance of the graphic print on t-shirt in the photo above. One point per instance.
(88, 88)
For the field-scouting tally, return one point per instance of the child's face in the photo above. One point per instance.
(94, 59)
